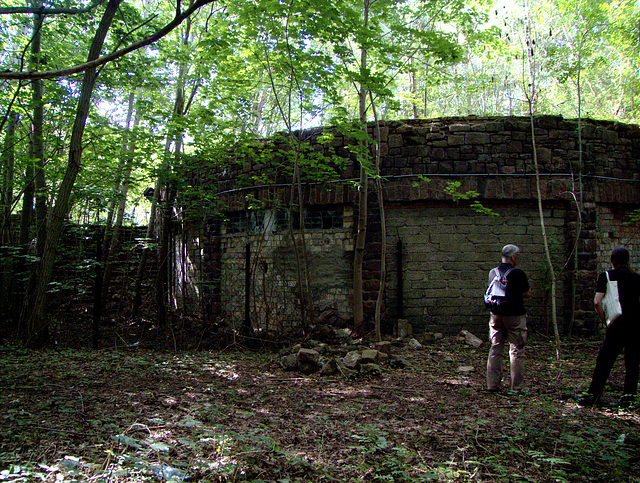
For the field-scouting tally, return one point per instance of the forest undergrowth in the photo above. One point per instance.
(235, 415)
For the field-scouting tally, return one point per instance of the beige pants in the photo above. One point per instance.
(502, 329)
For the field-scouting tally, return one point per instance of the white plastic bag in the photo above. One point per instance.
(611, 301)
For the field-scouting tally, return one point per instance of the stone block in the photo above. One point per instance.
(369, 368)
(455, 140)
(405, 329)
(352, 359)
(383, 346)
(370, 356)
(471, 339)
(435, 136)
(395, 141)
(473, 138)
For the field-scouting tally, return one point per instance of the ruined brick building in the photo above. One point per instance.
(238, 260)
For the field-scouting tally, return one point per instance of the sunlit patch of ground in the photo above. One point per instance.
(138, 416)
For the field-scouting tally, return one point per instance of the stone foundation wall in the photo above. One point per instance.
(274, 279)
(586, 199)
(448, 251)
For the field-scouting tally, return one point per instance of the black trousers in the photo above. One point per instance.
(622, 334)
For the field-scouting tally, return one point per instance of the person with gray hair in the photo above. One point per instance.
(508, 322)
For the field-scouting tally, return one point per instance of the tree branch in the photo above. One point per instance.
(49, 11)
(109, 57)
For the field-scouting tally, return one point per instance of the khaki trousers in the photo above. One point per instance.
(502, 329)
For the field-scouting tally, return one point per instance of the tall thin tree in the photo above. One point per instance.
(33, 318)
(532, 93)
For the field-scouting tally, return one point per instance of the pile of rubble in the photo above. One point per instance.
(347, 357)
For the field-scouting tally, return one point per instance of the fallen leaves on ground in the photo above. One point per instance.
(139, 415)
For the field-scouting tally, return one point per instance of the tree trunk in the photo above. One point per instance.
(531, 99)
(383, 228)
(128, 148)
(383, 262)
(111, 212)
(37, 136)
(162, 275)
(137, 295)
(170, 190)
(414, 89)
(26, 215)
(302, 260)
(299, 251)
(35, 324)
(363, 197)
(24, 243)
(9, 261)
(8, 162)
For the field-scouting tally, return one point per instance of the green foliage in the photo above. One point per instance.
(559, 455)
(634, 217)
(256, 67)
(377, 458)
(249, 69)
(453, 190)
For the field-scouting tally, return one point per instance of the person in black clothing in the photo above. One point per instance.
(508, 323)
(622, 333)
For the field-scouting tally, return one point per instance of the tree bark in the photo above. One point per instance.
(8, 163)
(96, 62)
(7, 281)
(363, 199)
(37, 135)
(26, 215)
(531, 100)
(299, 250)
(111, 212)
(137, 296)
(170, 191)
(35, 324)
(383, 227)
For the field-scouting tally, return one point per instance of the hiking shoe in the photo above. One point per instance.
(586, 399)
(627, 400)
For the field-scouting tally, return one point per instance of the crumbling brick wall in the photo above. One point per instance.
(447, 248)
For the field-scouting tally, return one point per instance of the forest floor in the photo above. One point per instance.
(223, 416)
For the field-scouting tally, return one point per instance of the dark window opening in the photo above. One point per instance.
(315, 218)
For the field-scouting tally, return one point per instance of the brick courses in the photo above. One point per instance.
(447, 248)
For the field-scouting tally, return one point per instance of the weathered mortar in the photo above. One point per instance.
(453, 248)
(449, 250)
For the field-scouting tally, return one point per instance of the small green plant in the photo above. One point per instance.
(453, 190)
(379, 459)
(556, 472)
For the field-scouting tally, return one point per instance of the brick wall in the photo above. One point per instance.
(274, 281)
(440, 238)
(447, 252)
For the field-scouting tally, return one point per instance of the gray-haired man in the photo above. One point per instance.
(508, 323)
